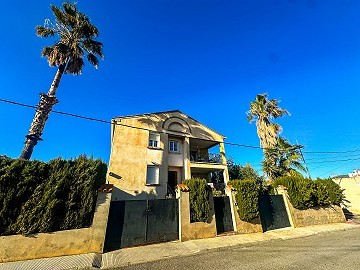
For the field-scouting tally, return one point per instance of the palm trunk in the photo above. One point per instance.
(47, 101)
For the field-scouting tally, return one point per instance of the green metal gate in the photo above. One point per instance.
(273, 212)
(223, 215)
(134, 223)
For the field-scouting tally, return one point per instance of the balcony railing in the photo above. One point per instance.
(206, 158)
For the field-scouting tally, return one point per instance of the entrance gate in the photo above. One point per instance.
(223, 214)
(273, 212)
(133, 223)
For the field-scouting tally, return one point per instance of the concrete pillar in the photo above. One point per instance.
(222, 153)
(223, 161)
(282, 191)
(230, 194)
(101, 215)
(187, 169)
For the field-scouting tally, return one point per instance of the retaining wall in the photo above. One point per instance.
(60, 243)
(312, 216)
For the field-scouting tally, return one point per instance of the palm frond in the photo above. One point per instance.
(94, 47)
(45, 32)
(60, 15)
(75, 66)
(69, 8)
(93, 60)
(56, 54)
(76, 35)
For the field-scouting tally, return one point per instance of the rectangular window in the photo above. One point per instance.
(152, 175)
(154, 140)
(174, 146)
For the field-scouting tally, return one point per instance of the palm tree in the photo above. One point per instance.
(284, 159)
(263, 111)
(76, 38)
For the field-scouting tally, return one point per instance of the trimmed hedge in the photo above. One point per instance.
(44, 197)
(199, 199)
(305, 193)
(247, 198)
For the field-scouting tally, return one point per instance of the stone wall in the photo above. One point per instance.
(312, 216)
(194, 230)
(60, 243)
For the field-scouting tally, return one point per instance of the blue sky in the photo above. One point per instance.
(206, 58)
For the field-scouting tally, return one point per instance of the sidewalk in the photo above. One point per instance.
(135, 255)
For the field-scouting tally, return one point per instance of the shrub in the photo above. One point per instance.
(335, 193)
(199, 199)
(301, 191)
(305, 193)
(247, 198)
(44, 197)
(322, 193)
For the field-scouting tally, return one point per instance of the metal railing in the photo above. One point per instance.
(206, 158)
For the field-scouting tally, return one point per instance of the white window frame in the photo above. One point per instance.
(174, 146)
(152, 175)
(154, 140)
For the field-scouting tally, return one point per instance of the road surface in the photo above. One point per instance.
(331, 250)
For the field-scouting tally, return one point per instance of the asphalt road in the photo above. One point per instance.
(332, 250)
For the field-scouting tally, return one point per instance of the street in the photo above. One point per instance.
(331, 250)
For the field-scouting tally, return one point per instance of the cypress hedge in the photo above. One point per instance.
(247, 198)
(306, 193)
(38, 197)
(199, 199)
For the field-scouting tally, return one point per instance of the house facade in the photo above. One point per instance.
(152, 153)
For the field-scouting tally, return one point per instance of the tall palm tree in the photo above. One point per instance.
(286, 157)
(76, 38)
(263, 111)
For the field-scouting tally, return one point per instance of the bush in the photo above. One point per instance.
(301, 191)
(335, 193)
(45, 197)
(305, 193)
(247, 198)
(199, 199)
(322, 193)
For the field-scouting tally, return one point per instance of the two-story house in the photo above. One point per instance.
(152, 153)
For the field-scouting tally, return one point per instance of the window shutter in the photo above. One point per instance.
(152, 175)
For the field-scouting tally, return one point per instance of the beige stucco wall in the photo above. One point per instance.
(130, 154)
(351, 188)
(61, 243)
(313, 216)
(194, 230)
(129, 158)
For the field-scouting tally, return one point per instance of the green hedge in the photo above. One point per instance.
(45, 197)
(199, 199)
(247, 198)
(305, 193)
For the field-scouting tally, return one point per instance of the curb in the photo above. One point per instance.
(130, 256)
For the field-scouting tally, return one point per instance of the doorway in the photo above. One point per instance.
(172, 182)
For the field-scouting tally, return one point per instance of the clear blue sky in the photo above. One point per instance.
(206, 58)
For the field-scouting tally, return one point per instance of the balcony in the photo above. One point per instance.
(205, 154)
(205, 158)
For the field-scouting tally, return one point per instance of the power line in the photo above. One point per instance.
(331, 152)
(116, 123)
(140, 128)
(332, 157)
(332, 161)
